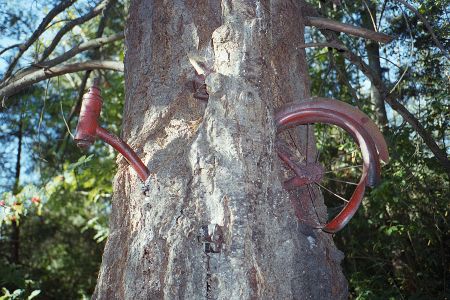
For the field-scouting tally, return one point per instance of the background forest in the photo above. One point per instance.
(55, 199)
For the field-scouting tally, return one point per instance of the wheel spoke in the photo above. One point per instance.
(307, 142)
(339, 158)
(322, 144)
(343, 181)
(343, 168)
(335, 209)
(331, 192)
(312, 201)
(293, 141)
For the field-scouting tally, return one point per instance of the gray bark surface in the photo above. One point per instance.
(213, 162)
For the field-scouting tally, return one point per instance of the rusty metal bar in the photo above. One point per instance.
(131, 156)
(88, 130)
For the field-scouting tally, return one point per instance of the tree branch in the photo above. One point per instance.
(95, 43)
(9, 48)
(39, 75)
(95, 55)
(427, 25)
(67, 27)
(323, 23)
(391, 99)
(323, 45)
(41, 28)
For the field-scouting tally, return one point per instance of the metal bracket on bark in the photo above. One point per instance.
(88, 129)
(200, 89)
(212, 237)
(201, 72)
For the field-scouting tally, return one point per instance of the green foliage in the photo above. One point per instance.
(397, 244)
(18, 294)
(13, 207)
(61, 247)
(60, 203)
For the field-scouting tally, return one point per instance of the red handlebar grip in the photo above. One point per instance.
(88, 120)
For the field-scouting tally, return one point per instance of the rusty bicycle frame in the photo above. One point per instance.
(363, 130)
(314, 110)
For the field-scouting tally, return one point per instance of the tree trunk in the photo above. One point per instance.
(15, 229)
(213, 163)
(373, 56)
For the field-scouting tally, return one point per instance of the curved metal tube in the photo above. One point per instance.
(131, 156)
(358, 125)
(342, 219)
(88, 129)
(370, 156)
(347, 110)
(370, 164)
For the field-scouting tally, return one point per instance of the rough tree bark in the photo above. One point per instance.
(213, 162)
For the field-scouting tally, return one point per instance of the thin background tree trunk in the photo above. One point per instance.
(373, 55)
(214, 162)
(15, 229)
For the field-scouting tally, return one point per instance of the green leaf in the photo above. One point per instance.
(81, 161)
(34, 294)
